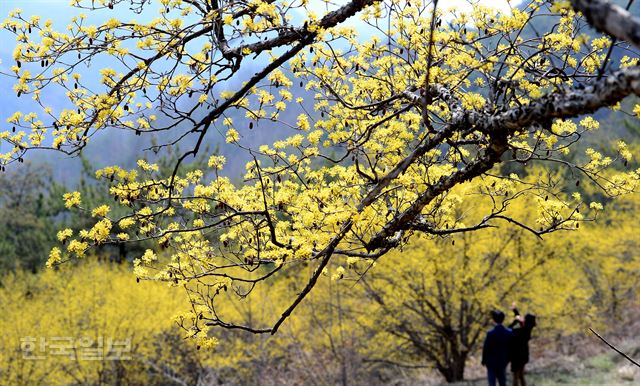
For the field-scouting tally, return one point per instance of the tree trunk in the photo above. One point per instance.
(453, 371)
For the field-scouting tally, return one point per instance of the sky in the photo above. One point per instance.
(59, 10)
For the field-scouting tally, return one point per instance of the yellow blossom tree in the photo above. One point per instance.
(429, 101)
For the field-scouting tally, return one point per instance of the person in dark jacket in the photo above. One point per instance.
(521, 328)
(495, 351)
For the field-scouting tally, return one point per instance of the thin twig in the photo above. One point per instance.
(614, 348)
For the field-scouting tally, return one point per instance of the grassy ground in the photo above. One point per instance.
(578, 359)
(602, 369)
(581, 359)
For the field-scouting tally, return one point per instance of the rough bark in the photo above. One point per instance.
(611, 19)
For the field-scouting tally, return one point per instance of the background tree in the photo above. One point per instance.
(610, 263)
(429, 303)
(26, 219)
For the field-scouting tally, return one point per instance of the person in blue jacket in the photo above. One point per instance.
(495, 351)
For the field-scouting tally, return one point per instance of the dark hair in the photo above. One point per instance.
(497, 316)
(530, 320)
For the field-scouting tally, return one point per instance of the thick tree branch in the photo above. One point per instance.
(331, 19)
(605, 92)
(611, 19)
